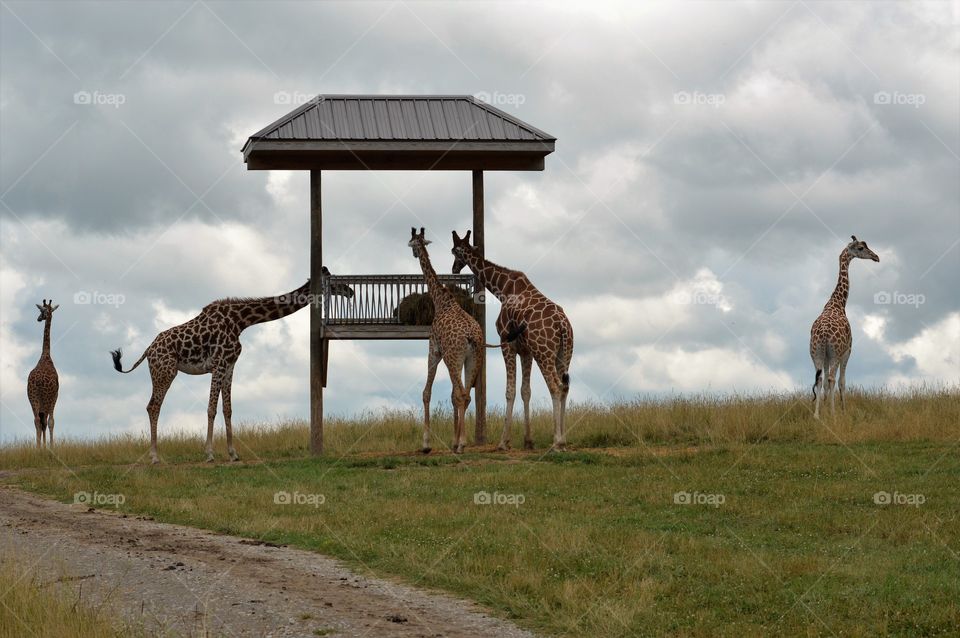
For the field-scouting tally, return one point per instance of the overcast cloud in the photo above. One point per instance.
(712, 161)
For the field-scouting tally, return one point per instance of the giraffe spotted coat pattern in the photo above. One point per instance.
(548, 338)
(210, 344)
(43, 384)
(831, 340)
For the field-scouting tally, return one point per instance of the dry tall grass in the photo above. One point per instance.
(919, 414)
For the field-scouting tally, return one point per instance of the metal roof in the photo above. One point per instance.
(439, 132)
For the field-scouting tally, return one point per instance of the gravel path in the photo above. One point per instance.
(176, 580)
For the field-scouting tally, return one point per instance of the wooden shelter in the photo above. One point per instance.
(388, 132)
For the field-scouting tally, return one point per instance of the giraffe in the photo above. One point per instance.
(548, 338)
(43, 384)
(830, 336)
(210, 344)
(455, 337)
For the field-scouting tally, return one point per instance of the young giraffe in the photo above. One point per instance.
(455, 337)
(548, 338)
(210, 344)
(43, 384)
(830, 336)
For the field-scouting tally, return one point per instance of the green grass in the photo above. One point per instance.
(598, 545)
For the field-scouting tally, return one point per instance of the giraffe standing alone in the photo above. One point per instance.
(548, 338)
(210, 344)
(830, 337)
(43, 384)
(455, 337)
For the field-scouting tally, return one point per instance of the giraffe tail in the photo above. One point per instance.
(512, 335)
(116, 360)
(43, 421)
(561, 360)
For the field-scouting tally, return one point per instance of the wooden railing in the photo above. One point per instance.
(376, 298)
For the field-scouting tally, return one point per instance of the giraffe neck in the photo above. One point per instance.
(839, 297)
(46, 337)
(438, 293)
(491, 276)
(263, 309)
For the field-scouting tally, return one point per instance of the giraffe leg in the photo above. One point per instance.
(433, 360)
(162, 375)
(459, 406)
(554, 385)
(216, 382)
(37, 426)
(831, 389)
(510, 361)
(471, 372)
(225, 390)
(817, 393)
(842, 379)
(50, 428)
(526, 369)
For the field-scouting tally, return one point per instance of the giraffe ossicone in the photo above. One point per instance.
(455, 339)
(43, 384)
(831, 340)
(210, 344)
(547, 339)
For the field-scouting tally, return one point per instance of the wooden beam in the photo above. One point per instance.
(316, 317)
(480, 431)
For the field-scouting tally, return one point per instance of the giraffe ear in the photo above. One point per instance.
(55, 307)
(39, 307)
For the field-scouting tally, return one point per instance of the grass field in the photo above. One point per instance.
(695, 517)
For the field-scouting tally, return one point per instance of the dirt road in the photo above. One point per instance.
(182, 581)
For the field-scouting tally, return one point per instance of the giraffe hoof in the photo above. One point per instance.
(458, 449)
(234, 456)
(155, 461)
(209, 459)
(503, 447)
(528, 445)
(426, 450)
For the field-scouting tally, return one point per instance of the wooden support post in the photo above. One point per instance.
(317, 373)
(480, 432)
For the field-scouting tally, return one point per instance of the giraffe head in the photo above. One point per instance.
(46, 310)
(342, 290)
(417, 242)
(857, 249)
(461, 247)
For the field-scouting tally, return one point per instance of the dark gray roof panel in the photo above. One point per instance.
(399, 118)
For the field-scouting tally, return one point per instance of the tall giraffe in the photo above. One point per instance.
(455, 337)
(830, 337)
(43, 384)
(210, 344)
(548, 338)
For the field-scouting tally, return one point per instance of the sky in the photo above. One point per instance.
(713, 160)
